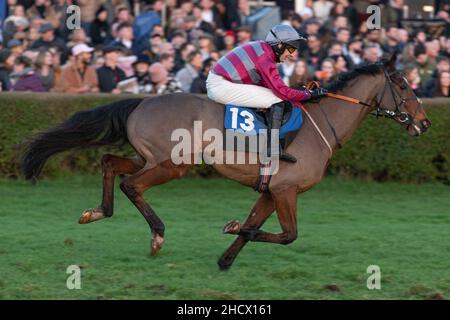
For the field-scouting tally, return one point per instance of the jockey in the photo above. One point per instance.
(248, 76)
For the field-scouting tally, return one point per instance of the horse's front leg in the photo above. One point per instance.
(286, 207)
(258, 215)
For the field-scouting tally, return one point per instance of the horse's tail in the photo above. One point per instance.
(105, 125)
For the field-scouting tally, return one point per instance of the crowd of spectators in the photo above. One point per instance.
(112, 53)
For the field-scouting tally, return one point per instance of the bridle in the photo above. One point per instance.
(380, 111)
(396, 114)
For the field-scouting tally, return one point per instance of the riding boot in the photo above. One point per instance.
(275, 120)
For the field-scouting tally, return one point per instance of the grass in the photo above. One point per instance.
(345, 226)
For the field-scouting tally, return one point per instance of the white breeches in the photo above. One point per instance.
(244, 95)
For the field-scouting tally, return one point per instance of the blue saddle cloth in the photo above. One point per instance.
(249, 122)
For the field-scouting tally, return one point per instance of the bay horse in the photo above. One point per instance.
(147, 124)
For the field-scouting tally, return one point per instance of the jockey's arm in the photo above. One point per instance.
(270, 75)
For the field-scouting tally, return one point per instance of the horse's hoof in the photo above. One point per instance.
(223, 265)
(90, 215)
(157, 243)
(232, 227)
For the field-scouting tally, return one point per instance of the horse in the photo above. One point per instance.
(147, 124)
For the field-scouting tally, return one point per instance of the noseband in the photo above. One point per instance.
(396, 114)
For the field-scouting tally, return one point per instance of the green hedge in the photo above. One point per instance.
(380, 149)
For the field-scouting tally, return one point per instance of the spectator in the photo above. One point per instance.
(307, 12)
(215, 55)
(407, 57)
(124, 38)
(391, 43)
(18, 17)
(199, 83)
(355, 51)
(88, 8)
(300, 76)
(343, 38)
(166, 48)
(335, 49)
(162, 83)
(78, 36)
(200, 24)
(322, 10)
(181, 57)
(229, 42)
(168, 62)
(393, 13)
(244, 12)
(371, 54)
(100, 28)
(312, 27)
(340, 64)
(186, 75)
(403, 38)
(179, 38)
(432, 49)
(123, 16)
(16, 47)
(154, 47)
(205, 45)
(443, 65)
(413, 78)
(47, 69)
(373, 37)
(244, 35)
(78, 76)
(109, 75)
(351, 13)
(48, 39)
(43, 9)
(326, 73)
(315, 52)
(24, 78)
(141, 70)
(7, 60)
(424, 65)
(189, 26)
(446, 49)
(441, 87)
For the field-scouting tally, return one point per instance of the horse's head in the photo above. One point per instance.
(398, 101)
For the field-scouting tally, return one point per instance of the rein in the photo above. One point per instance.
(402, 117)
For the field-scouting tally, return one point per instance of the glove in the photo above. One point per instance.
(317, 93)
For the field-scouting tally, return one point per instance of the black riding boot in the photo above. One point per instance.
(275, 119)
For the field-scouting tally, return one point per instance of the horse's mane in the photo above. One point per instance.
(344, 78)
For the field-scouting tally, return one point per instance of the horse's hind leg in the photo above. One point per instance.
(111, 167)
(262, 210)
(134, 186)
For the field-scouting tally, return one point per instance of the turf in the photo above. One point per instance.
(345, 226)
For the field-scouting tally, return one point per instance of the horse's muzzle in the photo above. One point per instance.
(419, 128)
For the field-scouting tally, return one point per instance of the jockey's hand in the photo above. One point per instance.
(318, 93)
